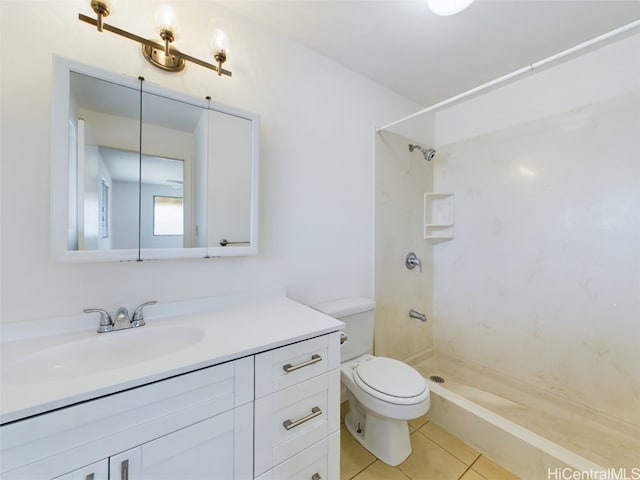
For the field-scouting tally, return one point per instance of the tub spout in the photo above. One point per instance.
(417, 315)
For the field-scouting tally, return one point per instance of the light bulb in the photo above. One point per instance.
(167, 21)
(219, 41)
(448, 7)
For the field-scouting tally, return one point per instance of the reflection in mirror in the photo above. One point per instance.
(103, 117)
(140, 172)
(161, 177)
(174, 129)
(229, 180)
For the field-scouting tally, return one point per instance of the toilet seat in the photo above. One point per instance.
(391, 380)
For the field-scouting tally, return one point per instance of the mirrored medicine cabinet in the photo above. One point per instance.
(140, 172)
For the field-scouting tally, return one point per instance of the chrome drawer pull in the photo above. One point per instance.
(315, 412)
(316, 476)
(91, 476)
(124, 470)
(292, 368)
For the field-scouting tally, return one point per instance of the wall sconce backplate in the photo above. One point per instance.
(157, 56)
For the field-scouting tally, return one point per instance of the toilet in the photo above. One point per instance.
(383, 393)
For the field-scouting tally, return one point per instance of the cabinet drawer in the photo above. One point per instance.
(291, 420)
(282, 367)
(321, 461)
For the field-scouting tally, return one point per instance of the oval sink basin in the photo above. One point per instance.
(100, 353)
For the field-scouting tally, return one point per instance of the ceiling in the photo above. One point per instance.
(426, 58)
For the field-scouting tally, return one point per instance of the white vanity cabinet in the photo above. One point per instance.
(201, 451)
(95, 471)
(250, 399)
(196, 425)
(297, 416)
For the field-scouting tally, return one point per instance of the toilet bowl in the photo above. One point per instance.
(383, 393)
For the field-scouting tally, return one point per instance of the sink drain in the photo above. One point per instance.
(436, 379)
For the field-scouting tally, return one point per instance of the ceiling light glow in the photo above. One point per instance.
(448, 7)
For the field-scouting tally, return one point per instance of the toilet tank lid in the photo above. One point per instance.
(343, 307)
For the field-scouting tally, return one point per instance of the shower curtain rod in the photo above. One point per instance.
(517, 73)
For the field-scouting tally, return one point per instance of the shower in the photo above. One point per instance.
(428, 153)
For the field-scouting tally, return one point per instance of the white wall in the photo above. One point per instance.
(316, 177)
(542, 280)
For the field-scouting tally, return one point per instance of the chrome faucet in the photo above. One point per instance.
(122, 318)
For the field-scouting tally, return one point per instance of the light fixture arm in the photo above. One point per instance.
(168, 37)
(102, 10)
(150, 43)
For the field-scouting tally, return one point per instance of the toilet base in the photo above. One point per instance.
(386, 438)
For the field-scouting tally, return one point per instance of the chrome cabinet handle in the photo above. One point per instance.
(91, 476)
(315, 412)
(316, 476)
(292, 368)
(124, 470)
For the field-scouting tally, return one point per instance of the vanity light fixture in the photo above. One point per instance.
(160, 52)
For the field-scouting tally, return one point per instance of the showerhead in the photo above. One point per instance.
(428, 153)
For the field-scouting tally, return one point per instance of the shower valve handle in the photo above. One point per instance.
(412, 261)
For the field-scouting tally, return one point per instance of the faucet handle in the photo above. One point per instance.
(412, 261)
(106, 324)
(138, 317)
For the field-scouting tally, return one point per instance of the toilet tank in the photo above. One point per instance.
(358, 314)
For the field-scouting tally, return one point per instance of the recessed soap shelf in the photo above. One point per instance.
(438, 217)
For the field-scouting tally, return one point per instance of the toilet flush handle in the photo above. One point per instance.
(343, 337)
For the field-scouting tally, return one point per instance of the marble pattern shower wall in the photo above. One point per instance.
(402, 178)
(542, 282)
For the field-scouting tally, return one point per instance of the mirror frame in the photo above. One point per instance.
(62, 69)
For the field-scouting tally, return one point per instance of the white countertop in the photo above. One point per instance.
(227, 328)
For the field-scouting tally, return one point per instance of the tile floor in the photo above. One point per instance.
(437, 455)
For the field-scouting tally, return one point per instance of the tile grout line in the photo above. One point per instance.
(364, 468)
(447, 450)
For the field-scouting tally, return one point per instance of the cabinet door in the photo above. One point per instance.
(203, 450)
(95, 471)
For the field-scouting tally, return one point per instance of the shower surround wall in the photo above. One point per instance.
(542, 282)
(402, 178)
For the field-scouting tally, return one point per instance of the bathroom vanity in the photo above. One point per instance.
(239, 387)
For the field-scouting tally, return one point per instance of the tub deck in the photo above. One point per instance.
(557, 432)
